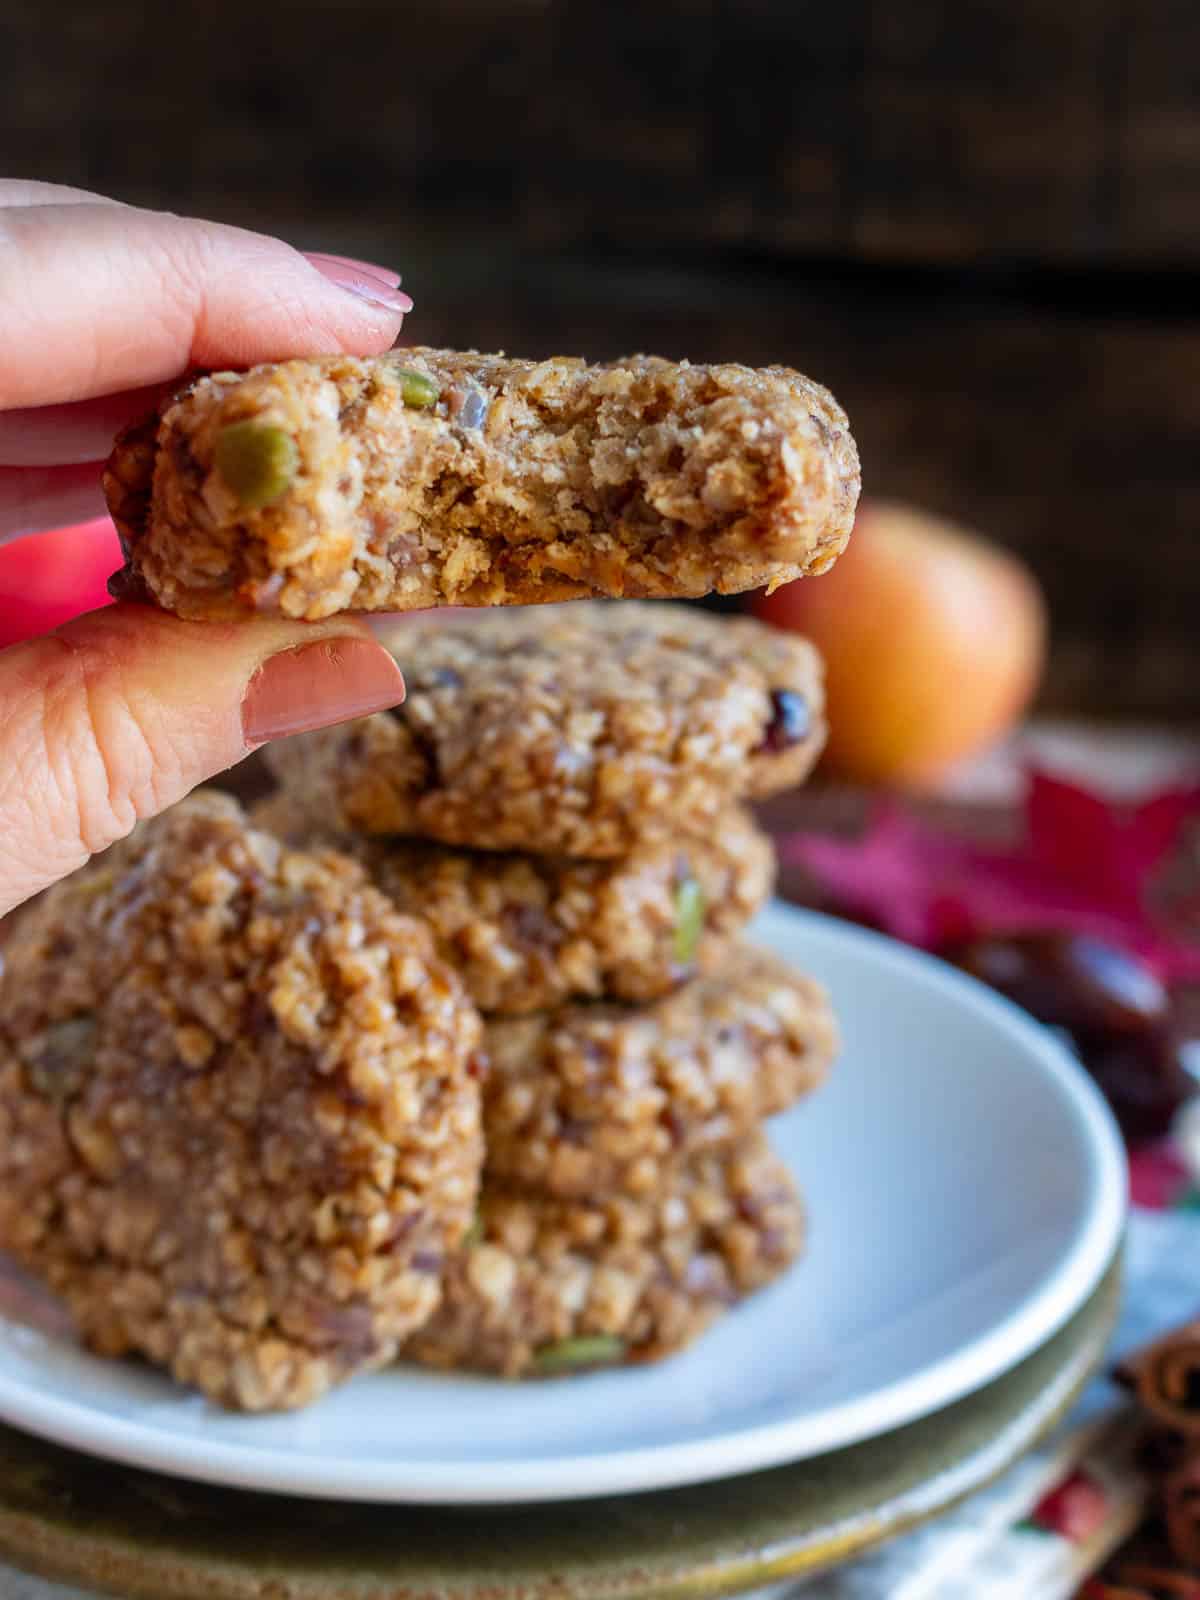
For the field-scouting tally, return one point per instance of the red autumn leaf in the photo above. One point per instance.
(1158, 1178)
(1074, 1510)
(1102, 848)
(1085, 865)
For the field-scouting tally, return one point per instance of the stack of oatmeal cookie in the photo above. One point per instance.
(252, 1126)
(561, 798)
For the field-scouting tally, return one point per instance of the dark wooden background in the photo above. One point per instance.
(980, 224)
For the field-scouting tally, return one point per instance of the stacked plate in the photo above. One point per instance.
(966, 1191)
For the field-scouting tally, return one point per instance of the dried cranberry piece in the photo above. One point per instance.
(708, 1276)
(791, 721)
(532, 927)
(349, 1328)
(424, 743)
(125, 584)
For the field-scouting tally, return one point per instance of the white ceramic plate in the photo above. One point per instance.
(966, 1187)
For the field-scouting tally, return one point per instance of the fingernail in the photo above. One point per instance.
(372, 270)
(351, 277)
(319, 684)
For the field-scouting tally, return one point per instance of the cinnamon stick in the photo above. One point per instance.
(1181, 1506)
(1157, 1583)
(1165, 1376)
(1097, 1589)
(1149, 1576)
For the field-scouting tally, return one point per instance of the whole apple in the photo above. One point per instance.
(933, 639)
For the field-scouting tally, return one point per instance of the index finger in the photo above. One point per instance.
(96, 297)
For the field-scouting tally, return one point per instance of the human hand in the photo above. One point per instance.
(118, 714)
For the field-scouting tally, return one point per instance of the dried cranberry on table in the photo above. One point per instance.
(1109, 1008)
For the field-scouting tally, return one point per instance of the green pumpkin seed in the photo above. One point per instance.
(417, 389)
(58, 1069)
(689, 920)
(257, 460)
(574, 1355)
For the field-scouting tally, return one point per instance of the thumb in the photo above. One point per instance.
(121, 712)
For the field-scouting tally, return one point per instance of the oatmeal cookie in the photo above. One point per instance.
(526, 933)
(239, 1115)
(438, 477)
(570, 730)
(549, 1287)
(598, 1098)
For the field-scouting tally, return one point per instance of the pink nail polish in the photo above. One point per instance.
(372, 270)
(317, 685)
(355, 281)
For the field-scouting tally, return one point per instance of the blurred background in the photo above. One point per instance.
(980, 225)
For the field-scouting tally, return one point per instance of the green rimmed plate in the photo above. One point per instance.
(135, 1534)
